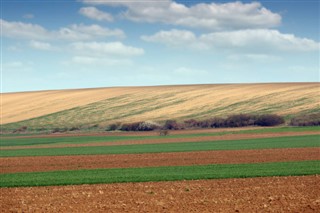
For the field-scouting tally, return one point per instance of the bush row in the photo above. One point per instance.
(137, 126)
(65, 129)
(239, 120)
(306, 120)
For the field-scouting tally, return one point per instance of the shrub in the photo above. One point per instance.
(192, 123)
(57, 129)
(20, 129)
(164, 132)
(171, 125)
(113, 127)
(140, 126)
(41, 129)
(217, 122)
(239, 120)
(269, 120)
(205, 123)
(74, 128)
(94, 126)
(130, 127)
(213, 123)
(306, 120)
(148, 126)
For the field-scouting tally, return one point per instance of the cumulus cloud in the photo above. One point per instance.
(253, 40)
(106, 48)
(263, 39)
(211, 16)
(94, 13)
(23, 30)
(41, 45)
(75, 32)
(172, 38)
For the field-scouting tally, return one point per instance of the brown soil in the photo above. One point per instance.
(33, 164)
(171, 140)
(272, 194)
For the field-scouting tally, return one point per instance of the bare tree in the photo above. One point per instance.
(164, 132)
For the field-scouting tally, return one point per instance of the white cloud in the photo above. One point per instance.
(212, 16)
(259, 39)
(23, 30)
(251, 41)
(106, 48)
(41, 45)
(172, 38)
(74, 32)
(87, 32)
(94, 13)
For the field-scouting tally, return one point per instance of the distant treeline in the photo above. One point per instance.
(237, 120)
(306, 120)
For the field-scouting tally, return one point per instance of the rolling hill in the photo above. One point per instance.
(103, 106)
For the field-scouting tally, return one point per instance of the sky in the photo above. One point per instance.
(65, 44)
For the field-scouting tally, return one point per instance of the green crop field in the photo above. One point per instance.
(13, 141)
(159, 174)
(70, 174)
(263, 143)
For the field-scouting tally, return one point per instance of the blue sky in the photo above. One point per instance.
(86, 43)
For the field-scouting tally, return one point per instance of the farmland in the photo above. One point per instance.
(280, 194)
(146, 172)
(189, 170)
(90, 108)
(165, 106)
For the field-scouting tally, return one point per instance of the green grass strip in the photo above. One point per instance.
(215, 171)
(262, 143)
(281, 129)
(65, 140)
(94, 139)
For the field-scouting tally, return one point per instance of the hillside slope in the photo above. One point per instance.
(85, 107)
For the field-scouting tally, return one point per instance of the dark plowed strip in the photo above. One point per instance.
(171, 140)
(271, 194)
(33, 164)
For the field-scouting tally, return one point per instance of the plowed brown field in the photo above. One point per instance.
(171, 140)
(33, 164)
(272, 194)
(269, 194)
